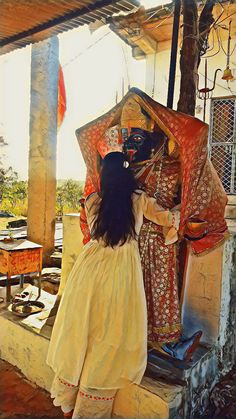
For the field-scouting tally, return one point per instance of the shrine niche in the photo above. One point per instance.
(175, 169)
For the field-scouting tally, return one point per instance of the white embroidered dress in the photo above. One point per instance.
(99, 339)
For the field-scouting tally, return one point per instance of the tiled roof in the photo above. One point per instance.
(28, 21)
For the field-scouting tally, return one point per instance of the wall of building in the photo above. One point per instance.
(157, 75)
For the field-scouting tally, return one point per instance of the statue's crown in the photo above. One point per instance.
(133, 117)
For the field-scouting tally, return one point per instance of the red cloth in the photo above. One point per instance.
(61, 97)
(159, 260)
(202, 193)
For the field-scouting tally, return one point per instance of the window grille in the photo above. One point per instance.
(222, 140)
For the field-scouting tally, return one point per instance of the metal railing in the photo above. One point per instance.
(222, 140)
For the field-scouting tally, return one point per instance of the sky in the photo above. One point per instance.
(94, 65)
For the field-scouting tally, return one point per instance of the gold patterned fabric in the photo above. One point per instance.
(159, 260)
(202, 196)
(99, 338)
(202, 193)
(132, 116)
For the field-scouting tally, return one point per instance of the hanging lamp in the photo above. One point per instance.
(227, 75)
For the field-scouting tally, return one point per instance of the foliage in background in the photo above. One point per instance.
(14, 196)
(7, 176)
(69, 192)
(13, 193)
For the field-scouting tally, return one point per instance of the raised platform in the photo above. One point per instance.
(170, 389)
(160, 398)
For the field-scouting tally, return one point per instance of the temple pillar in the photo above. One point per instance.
(43, 143)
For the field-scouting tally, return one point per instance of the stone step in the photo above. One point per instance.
(170, 388)
(161, 365)
(189, 382)
(152, 399)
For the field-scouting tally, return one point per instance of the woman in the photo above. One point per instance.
(99, 340)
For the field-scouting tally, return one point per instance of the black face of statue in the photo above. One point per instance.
(139, 145)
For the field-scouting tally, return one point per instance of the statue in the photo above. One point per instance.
(158, 173)
(168, 153)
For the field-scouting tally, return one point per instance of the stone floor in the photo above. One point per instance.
(21, 399)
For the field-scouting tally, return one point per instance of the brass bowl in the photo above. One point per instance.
(196, 225)
(26, 308)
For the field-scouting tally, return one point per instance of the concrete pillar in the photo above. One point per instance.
(230, 210)
(43, 142)
(210, 297)
(201, 307)
(72, 246)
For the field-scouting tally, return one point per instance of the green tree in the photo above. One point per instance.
(15, 191)
(7, 175)
(68, 196)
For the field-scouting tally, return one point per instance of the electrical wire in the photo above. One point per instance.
(215, 25)
(86, 49)
(154, 13)
(217, 52)
(110, 32)
(227, 17)
(222, 12)
(150, 29)
(226, 53)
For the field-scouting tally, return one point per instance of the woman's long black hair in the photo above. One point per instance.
(115, 222)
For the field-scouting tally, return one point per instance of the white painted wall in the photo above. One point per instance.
(161, 76)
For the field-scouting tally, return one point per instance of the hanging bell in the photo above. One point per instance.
(227, 75)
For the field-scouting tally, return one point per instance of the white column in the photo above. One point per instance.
(43, 143)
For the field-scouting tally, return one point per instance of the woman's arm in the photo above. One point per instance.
(155, 213)
(166, 218)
